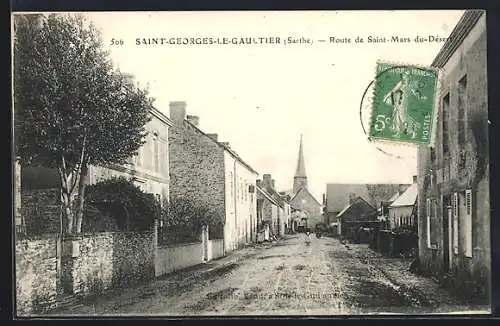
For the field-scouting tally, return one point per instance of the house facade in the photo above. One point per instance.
(358, 213)
(212, 175)
(241, 207)
(453, 173)
(268, 209)
(401, 212)
(276, 209)
(150, 167)
(149, 170)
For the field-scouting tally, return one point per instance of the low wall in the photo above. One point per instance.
(174, 257)
(93, 263)
(217, 248)
(36, 275)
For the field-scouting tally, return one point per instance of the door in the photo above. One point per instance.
(446, 239)
(447, 235)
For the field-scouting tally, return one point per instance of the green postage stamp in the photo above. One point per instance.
(404, 102)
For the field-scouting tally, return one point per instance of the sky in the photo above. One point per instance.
(261, 98)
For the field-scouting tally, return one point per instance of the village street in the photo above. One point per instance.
(286, 278)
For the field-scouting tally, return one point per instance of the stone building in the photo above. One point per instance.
(302, 200)
(212, 175)
(453, 173)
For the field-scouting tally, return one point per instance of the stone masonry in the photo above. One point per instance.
(196, 163)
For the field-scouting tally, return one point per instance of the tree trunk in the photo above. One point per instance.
(81, 197)
(67, 198)
(67, 203)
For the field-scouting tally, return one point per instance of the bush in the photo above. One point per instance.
(185, 219)
(119, 200)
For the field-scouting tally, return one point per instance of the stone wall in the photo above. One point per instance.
(36, 275)
(41, 211)
(93, 263)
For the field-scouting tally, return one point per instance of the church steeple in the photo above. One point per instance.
(300, 178)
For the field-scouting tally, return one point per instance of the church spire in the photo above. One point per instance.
(301, 168)
(300, 178)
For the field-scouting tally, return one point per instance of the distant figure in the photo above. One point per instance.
(308, 236)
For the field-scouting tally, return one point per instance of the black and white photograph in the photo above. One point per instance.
(250, 163)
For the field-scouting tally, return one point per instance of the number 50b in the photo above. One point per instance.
(381, 121)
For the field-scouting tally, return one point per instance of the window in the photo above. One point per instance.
(455, 223)
(156, 154)
(446, 109)
(138, 158)
(428, 221)
(468, 223)
(462, 104)
(231, 184)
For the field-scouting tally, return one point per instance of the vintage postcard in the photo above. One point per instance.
(265, 163)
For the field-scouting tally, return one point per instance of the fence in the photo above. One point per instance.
(394, 244)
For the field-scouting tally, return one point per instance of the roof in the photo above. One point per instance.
(160, 116)
(337, 194)
(267, 195)
(394, 197)
(359, 200)
(457, 35)
(408, 198)
(305, 189)
(277, 198)
(226, 148)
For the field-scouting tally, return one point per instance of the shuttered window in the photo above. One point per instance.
(428, 219)
(468, 223)
(455, 223)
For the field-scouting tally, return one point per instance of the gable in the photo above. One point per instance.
(359, 210)
(303, 193)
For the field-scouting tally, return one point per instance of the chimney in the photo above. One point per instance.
(273, 184)
(266, 180)
(213, 136)
(177, 111)
(194, 119)
(415, 178)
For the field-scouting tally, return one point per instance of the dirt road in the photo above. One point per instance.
(288, 278)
